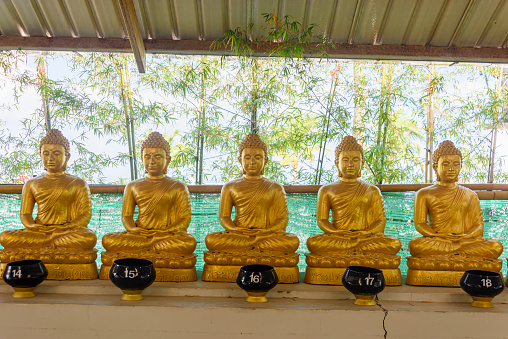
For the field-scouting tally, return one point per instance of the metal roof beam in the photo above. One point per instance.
(261, 49)
(136, 39)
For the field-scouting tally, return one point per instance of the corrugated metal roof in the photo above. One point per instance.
(402, 23)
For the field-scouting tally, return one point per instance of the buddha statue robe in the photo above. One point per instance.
(454, 213)
(261, 216)
(64, 211)
(359, 218)
(163, 218)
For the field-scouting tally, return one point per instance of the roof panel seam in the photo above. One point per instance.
(492, 19)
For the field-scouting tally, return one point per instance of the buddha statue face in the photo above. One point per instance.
(54, 157)
(156, 161)
(349, 158)
(448, 168)
(349, 164)
(253, 161)
(447, 162)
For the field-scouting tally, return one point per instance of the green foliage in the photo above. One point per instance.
(291, 40)
(302, 108)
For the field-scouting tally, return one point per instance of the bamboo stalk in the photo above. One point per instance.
(429, 129)
(131, 117)
(494, 129)
(359, 113)
(127, 122)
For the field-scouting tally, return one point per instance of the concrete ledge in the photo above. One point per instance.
(231, 290)
(93, 309)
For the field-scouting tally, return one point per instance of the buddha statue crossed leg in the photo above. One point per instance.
(450, 219)
(257, 235)
(59, 235)
(355, 236)
(160, 232)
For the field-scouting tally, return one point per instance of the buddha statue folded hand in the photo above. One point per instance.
(450, 219)
(257, 235)
(164, 213)
(355, 235)
(59, 235)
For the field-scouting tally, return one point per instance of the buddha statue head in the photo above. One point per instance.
(155, 153)
(55, 151)
(349, 158)
(253, 155)
(447, 162)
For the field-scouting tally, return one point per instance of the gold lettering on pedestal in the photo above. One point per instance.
(327, 278)
(287, 277)
(173, 275)
(221, 275)
(437, 280)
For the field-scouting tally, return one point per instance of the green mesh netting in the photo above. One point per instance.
(107, 210)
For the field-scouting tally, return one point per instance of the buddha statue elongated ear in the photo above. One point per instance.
(252, 140)
(348, 143)
(445, 148)
(157, 140)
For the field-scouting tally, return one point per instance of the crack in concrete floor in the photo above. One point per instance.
(385, 311)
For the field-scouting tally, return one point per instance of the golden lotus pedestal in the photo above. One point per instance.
(333, 276)
(62, 264)
(329, 269)
(168, 267)
(433, 271)
(224, 266)
(162, 274)
(67, 271)
(217, 273)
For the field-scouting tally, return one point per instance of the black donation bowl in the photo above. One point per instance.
(24, 275)
(257, 280)
(482, 286)
(132, 276)
(364, 282)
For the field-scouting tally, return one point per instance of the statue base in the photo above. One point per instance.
(161, 274)
(333, 275)
(344, 260)
(453, 263)
(67, 271)
(49, 255)
(159, 260)
(251, 257)
(445, 270)
(217, 273)
(434, 278)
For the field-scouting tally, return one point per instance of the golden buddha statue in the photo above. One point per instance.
(257, 233)
(160, 231)
(59, 235)
(450, 219)
(355, 236)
